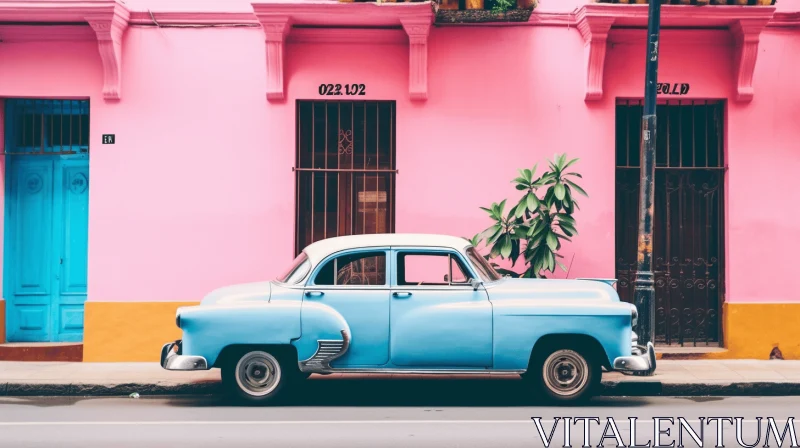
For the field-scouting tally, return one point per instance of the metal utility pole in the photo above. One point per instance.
(644, 297)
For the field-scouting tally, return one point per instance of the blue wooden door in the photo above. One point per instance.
(29, 269)
(46, 247)
(71, 241)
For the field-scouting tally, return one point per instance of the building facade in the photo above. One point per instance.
(157, 150)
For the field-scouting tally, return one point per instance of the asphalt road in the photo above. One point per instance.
(437, 414)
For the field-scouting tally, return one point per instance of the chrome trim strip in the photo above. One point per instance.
(395, 371)
(608, 281)
(327, 351)
(171, 360)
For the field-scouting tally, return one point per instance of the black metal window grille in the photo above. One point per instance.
(46, 127)
(688, 226)
(345, 169)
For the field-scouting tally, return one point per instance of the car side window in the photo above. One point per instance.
(363, 268)
(438, 269)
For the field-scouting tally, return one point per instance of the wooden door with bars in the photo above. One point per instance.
(688, 218)
(345, 169)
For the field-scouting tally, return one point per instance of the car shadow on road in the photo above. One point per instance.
(407, 392)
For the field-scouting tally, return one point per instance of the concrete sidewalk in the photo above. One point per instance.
(673, 377)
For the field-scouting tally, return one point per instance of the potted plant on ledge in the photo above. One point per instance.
(483, 11)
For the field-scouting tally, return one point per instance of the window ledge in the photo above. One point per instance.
(278, 20)
(745, 23)
(482, 16)
(714, 3)
(107, 18)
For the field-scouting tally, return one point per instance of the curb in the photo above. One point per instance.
(657, 388)
(106, 390)
(609, 389)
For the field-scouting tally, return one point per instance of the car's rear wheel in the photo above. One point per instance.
(565, 374)
(255, 376)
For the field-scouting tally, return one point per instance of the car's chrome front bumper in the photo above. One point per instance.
(172, 359)
(642, 360)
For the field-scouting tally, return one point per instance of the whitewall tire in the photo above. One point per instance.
(565, 375)
(255, 376)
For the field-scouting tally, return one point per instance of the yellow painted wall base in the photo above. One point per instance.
(135, 331)
(752, 330)
(128, 331)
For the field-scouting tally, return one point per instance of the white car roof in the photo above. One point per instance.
(318, 250)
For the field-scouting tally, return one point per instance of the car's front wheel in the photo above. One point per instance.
(256, 377)
(565, 374)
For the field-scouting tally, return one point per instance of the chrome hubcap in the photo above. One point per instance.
(258, 373)
(565, 372)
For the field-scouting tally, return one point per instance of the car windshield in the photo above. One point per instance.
(485, 270)
(298, 270)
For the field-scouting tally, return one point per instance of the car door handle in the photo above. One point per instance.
(401, 294)
(314, 293)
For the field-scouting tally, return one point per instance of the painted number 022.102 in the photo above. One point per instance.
(342, 89)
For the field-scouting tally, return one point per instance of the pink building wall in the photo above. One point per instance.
(2, 207)
(764, 155)
(198, 193)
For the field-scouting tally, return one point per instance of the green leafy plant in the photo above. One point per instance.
(540, 220)
(503, 5)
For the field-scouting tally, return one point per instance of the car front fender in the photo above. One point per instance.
(207, 330)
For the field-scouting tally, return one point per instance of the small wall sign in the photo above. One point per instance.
(665, 88)
(108, 139)
(339, 89)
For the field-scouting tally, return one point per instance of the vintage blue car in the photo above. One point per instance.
(408, 303)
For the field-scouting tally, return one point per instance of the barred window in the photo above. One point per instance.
(345, 169)
(37, 126)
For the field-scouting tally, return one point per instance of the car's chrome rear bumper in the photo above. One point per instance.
(641, 361)
(172, 359)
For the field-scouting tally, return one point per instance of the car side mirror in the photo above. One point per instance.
(475, 283)
(446, 278)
